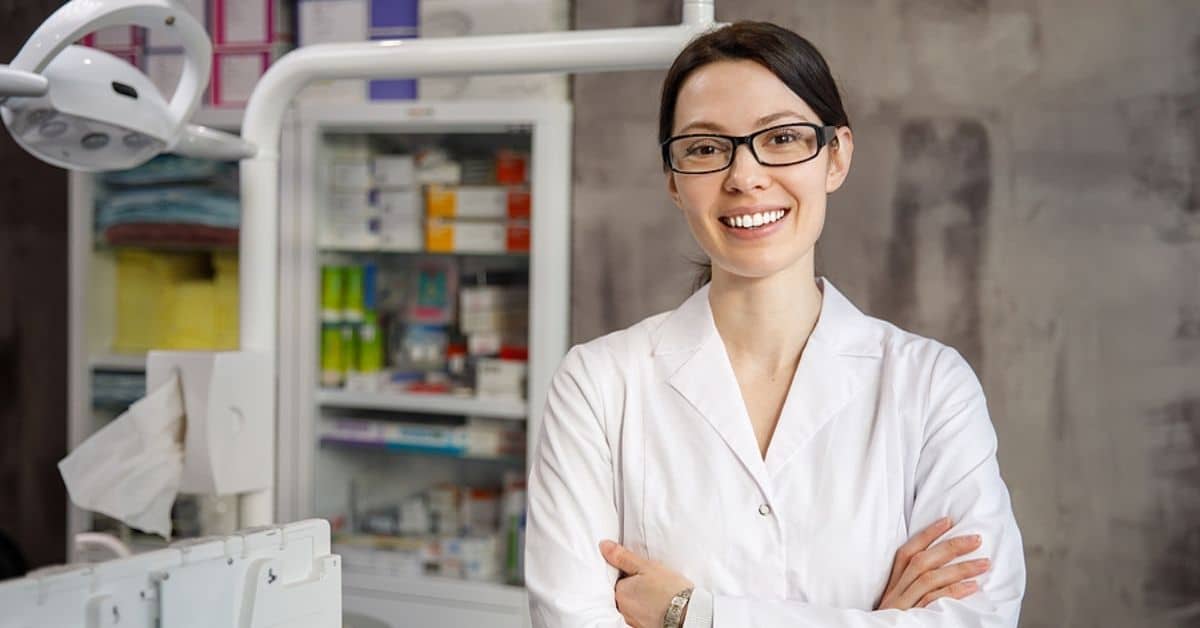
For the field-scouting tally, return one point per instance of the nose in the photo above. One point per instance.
(745, 173)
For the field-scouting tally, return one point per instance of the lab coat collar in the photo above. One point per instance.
(840, 325)
(690, 348)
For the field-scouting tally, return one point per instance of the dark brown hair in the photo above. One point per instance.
(786, 54)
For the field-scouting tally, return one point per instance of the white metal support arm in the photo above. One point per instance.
(567, 52)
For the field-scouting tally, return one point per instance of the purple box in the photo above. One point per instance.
(393, 19)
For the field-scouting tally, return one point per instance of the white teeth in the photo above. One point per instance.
(748, 221)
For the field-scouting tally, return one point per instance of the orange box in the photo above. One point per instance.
(465, 236)
(489, 202)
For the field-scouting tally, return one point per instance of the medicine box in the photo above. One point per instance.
(351, 174)
(405, 200)
(392, 171)
(451, 236)
(477, 201)
(251, 22)
(500, 378)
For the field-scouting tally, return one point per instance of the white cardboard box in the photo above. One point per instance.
(330, 22)
(251, 22)
(394, 170)
(457, 18)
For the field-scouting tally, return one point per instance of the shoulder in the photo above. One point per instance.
(622, 348)
(932, 370)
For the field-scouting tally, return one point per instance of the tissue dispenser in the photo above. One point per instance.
(228, 399)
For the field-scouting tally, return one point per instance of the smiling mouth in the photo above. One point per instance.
(756, 220)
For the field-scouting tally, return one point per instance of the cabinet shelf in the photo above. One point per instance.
(430, 403)
(126, 362)
(404, 448)
(375, 250)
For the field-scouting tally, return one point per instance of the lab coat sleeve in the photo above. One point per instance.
(572, 508)
(956, 475)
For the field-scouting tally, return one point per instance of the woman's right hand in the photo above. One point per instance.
(920, 573)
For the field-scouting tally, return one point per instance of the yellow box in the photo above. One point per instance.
(175, 300)
(146, 294)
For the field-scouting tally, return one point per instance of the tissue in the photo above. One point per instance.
(131, 468)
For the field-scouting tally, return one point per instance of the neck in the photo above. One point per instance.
(765, 322)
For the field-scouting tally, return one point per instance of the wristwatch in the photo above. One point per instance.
(675, 611)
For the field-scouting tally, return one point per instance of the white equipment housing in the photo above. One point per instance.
(258, 578)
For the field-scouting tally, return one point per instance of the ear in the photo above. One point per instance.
(673, 190)
(841, 151)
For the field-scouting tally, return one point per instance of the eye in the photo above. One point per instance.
(704, 148)
(784, 136)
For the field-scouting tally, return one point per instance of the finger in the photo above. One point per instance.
(957, 591)
(936, 557)
(935, 580)
(617, 556)
(918, 543)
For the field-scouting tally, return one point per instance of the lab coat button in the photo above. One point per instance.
(764, 510)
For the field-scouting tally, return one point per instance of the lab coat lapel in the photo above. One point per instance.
(691, 350)
(825, 378)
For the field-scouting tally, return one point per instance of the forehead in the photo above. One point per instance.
(733, 94)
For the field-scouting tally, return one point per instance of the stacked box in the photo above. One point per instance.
(350, 219)
(397, 201)
(481, 218)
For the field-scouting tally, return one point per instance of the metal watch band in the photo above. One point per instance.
(675, 611)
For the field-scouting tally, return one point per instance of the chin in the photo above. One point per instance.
(757, 268)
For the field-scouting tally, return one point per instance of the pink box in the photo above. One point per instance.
(235, 72)
(251, 22)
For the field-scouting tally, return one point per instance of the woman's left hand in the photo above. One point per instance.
(645, 589)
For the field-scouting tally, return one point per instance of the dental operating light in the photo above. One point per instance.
(84, 109)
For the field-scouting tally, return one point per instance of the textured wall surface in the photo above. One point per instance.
(1026, 187)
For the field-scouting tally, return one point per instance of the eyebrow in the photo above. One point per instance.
(702, 125)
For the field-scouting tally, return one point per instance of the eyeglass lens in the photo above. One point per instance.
(779, 146)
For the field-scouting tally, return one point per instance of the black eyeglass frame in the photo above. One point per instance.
(825, 135)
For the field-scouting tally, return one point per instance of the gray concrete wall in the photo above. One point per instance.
(1026, 187)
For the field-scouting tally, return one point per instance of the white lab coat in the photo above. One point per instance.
(645, 440)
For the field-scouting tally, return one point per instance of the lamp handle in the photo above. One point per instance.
(79, 17)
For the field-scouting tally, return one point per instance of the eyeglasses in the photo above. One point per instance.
(783, 145)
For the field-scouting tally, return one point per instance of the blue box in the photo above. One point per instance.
(393, 19)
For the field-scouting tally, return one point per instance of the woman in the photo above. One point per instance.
(764, 453)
